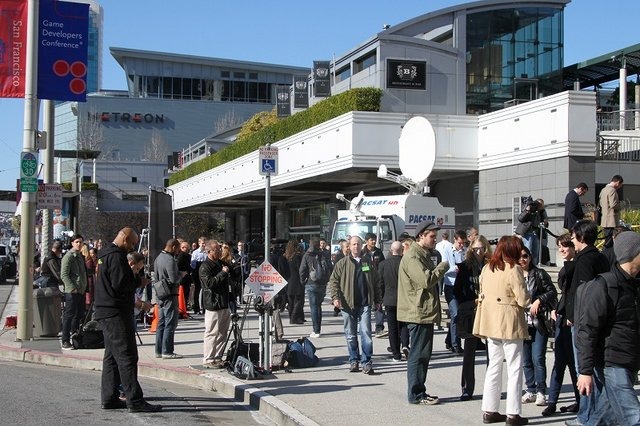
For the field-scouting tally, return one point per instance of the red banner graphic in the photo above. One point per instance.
(13, 47)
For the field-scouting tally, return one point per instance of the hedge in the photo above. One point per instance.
(361, 99)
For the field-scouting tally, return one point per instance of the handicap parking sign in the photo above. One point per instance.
(268, 156)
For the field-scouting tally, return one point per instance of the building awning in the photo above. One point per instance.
(603, 69)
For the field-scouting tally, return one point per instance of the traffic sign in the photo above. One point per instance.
(268, 156)
(265, 281)
(49, 196)
(28, 172)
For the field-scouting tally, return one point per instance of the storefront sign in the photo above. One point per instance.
(406, 74)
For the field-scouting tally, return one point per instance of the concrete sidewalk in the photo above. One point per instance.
(326, 394)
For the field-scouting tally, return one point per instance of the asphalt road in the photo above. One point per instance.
(37, 395)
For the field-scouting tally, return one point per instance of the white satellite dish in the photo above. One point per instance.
(417, 149)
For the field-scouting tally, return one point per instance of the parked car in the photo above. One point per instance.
(7, 263)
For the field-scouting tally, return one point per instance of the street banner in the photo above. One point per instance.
(13, 47)
(321, 78)
(63, 40)
(403, 74)
(300, 92)
(283, 101)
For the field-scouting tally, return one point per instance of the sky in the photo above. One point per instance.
(288, 32)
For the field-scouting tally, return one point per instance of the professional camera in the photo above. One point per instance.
(533, 206)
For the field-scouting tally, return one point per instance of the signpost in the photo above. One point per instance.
(50, 196)
(268, 156)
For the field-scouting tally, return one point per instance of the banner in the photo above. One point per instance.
(403, 74)
(283, 101)
(300, 92)
(321, 78)
(63, 40)
(13, 47)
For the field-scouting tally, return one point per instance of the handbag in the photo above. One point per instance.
(162, 288)
(465, 318)
(543, 323)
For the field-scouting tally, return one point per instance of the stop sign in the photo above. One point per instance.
(265, 281)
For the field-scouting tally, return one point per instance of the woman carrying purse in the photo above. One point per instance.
(465, 291)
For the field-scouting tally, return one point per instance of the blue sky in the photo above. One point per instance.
(292, 33)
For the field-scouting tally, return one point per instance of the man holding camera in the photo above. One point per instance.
(532, 220)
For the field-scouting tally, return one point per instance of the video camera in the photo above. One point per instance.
(532, 205)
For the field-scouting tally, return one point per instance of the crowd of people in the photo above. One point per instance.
(498, 299)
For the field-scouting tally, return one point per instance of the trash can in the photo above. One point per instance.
(47, 316)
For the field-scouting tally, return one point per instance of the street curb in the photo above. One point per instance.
(267, 404)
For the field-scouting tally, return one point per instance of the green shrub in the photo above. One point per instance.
(253, 135)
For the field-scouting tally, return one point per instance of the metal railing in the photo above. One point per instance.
(622, 148)
(619, 120)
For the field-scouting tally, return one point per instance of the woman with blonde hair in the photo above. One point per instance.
(465, 290)
(500, 319)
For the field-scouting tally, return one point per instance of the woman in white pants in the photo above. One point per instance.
(500, 319)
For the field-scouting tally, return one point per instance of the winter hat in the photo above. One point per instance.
(626, 246)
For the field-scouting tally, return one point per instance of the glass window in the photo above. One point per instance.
(365, 62)
(239, 94)
(167, 87)
(252, 92)
(225, 74)
(226, 90)
(176, 93)
(342, 74)
(253, 76)
(238, 74)
(186, 88)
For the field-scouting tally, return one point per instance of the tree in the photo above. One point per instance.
(90, 135)
(156, 150)
(226, 122)
(614, 99)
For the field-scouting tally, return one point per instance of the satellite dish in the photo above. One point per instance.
(417, 149)
(356, 203)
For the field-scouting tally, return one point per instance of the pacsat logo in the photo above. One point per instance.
(407, 72)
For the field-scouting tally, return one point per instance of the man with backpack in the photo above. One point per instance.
(608, 336)
(315, 270)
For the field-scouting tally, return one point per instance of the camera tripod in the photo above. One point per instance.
(236, 331)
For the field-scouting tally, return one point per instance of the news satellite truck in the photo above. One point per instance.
(388, 217)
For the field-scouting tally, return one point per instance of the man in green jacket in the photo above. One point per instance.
(419, 307)
(73, 273)
(355, 288)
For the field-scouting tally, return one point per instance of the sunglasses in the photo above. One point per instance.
(478, 249)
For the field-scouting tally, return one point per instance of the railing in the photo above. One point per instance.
(624, 148)
(617, 120)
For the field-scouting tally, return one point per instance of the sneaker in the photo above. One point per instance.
(466, 396)
(405, 351)
(368, 369)
(66, 346)
(549, 411)
(354, 367)
(158, 355)
(314, 334)
(428, 400)
(528, 397)
(541, 399)
(396, 358)
(382, 333)
(171, 356)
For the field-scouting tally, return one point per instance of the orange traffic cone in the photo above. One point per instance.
(156, 317)
(182, 305)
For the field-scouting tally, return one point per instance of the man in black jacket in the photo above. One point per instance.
(609, 336)
(215, 300)
(114, 303)
(572, 208)
(589, 262)
(398, 332)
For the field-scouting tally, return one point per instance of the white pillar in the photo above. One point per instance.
(623, 95)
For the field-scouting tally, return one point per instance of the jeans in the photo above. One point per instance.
(73, 313)
(531, 240)
(563, 358)
(535, 362)
(316, 293)
(379, 315)
(618, 403)
(398, 332)
(167, 323)
(452, 335)
(120, 362)
(588, 402)
(358, 320)
(421, 337)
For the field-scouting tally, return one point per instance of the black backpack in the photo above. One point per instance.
(319, 270)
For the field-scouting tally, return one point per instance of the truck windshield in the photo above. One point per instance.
(360, 228)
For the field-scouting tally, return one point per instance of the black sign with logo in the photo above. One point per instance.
(406, 74)
(300, 92)
(283, 101)
(322, 78)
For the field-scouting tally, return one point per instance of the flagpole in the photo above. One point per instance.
(28, 199)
